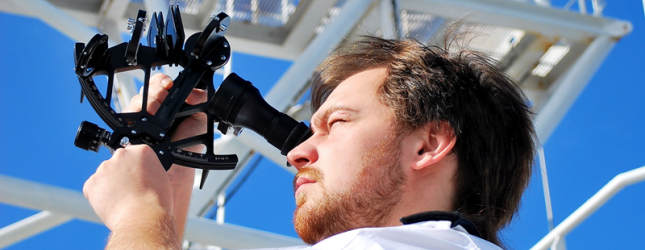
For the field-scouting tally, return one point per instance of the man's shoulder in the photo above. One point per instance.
(422, 235)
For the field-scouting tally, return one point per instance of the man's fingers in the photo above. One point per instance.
(162, 80)
(197, 96)
(157, 92)
(134, 105)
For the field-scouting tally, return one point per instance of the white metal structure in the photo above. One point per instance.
(614, 186)
(552, 53)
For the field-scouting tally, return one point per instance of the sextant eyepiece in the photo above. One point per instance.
(238, 103)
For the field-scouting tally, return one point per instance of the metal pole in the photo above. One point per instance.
(387, 21)
(30, 226)
(221, 200)
(582, 5)
(396, 13)
(298, 74)
(545, 186)
(597, 9)
(39, 196)
(62, 201)
(260, 145)
(546, 21)
(545, 3)
(56, 18)
(559, 243)
(590, 206)
(155, 6)
(232, 236)
(73, 28)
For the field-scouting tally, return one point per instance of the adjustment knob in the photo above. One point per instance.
(90, 136)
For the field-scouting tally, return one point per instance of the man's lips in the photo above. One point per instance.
(302, 180)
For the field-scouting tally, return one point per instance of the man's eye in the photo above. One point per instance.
(334, 122)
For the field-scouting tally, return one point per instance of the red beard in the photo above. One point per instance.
(368, 202)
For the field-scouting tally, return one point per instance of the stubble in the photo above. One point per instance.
(368, 202)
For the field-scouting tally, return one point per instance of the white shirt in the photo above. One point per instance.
(422, 235)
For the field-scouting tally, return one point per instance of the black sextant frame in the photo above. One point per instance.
(200, 55)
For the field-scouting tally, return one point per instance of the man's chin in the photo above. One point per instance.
(300, 199)
(318, 219)
(303, 211)
(301, 222)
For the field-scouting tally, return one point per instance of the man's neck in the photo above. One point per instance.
(424, 192)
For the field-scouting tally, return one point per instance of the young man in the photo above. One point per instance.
(404, 136)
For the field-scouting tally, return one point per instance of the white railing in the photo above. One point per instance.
(597, 6)
(596, 201)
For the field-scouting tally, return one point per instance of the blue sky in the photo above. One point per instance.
(601, 136)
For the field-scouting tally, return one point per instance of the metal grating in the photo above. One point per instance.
(188, 6)
(269, 13)
(551, 58)
(420, 26)
(185, 6)
(495, 41)
(331, 14)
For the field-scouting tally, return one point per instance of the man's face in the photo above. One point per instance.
(349, 171)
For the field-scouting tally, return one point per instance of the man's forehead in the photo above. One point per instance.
(360, 85)
(354, 93)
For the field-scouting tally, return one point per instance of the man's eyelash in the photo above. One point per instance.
(332, 122)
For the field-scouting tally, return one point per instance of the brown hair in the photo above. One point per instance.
(486, 109)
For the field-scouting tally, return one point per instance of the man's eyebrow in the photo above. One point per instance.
(317, 121)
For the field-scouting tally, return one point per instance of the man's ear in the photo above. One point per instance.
(436, 142)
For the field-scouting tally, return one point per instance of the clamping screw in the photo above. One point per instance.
(214, 18)
(162, 134)
(144, 119)
(225, 45)
(209, 63)
(222, 27)
(144, 21)
(237, 130)
(133, 132)
(160, 152)
(130, 25)
(125, 141)
(223, 58)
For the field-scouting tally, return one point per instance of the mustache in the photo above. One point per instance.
(309, 172)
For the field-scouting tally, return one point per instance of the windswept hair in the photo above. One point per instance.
(485, 108)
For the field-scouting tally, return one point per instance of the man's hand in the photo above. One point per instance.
(159, 86)
(181, 178)
(130, 185)
(131, 193)
(133, 188)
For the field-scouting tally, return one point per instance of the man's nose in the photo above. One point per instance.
(304, 154)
